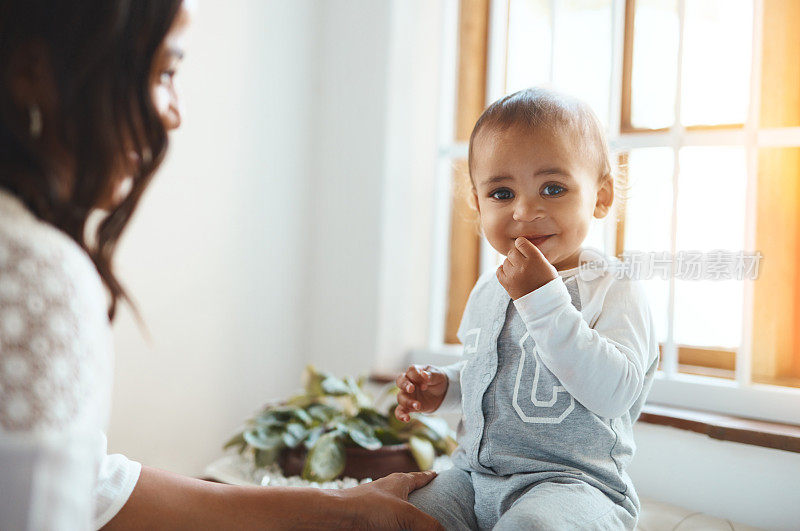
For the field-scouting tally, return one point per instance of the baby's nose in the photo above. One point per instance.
(528, 210)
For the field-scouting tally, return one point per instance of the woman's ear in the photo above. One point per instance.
(605, 197)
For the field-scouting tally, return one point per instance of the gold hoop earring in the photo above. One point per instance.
(35, 114)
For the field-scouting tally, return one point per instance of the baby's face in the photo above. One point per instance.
(537, 185)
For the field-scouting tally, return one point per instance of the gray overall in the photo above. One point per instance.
(530, 456)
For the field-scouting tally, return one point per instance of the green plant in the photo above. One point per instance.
(331, 415)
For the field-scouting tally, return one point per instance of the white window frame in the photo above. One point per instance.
(740, 397)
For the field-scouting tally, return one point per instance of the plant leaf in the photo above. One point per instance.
(268, 421)
(263, 438)
(372, 417)
(362, 434)
(326, 459)
(423, 452)
(294, 434)
(303, 416)
(287, 413)
(301, 401)
(313, 436)
(438, 428)
(322, 412)
(268, 416)
(264, 458)
(447, 445)
(388, 436)
(312, 381)
(236, 440)
(333, 386)
(362, 399)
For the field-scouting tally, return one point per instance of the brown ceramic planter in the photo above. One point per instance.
(360, 463)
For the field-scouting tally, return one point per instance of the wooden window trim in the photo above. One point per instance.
(465, 242)
(622, 182)
(716, 358)
(776, 297)
(628, 129)
(725, 427)
(627, 69)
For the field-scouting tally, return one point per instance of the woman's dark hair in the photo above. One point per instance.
(101, 54)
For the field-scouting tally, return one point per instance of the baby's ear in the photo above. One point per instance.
(472, 199)
(475, 206)
(605, 197)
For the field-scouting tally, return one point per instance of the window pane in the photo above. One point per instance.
(582, 52)
(711, 212)
(596, 236)
(718, 40)
(649, 190)
(529, 44)
(655, 64)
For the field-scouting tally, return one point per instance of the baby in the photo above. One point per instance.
(557, 363)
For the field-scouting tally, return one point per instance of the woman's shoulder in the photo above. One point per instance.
(35, 254)
(52, 322)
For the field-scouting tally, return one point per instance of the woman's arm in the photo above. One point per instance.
(162, 500)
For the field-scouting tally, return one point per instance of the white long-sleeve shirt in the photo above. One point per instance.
(600, 353)
(551, 383)
(56, 361)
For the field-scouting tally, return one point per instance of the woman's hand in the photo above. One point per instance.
(422, 390)
(525, 269)
(383, 504)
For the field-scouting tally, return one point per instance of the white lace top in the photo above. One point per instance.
(56, 360)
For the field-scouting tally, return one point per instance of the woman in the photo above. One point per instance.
(86, 100)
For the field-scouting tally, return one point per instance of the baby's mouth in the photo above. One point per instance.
(538, 240)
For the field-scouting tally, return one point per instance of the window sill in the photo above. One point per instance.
(725, 427)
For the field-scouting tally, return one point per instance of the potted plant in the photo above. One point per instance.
(334, 429)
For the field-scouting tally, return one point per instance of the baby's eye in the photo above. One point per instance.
(502, 194)
(553, 190)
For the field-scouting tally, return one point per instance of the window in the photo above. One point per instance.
(701, 103)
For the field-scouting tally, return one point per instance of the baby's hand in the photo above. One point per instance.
(422, 389)
(525, 269)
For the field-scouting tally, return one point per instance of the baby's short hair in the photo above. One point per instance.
(540, 108)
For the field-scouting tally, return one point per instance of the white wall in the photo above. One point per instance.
(216, 256)
(342, 238)
(375, 149)
(408, 199)
(747, 484)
